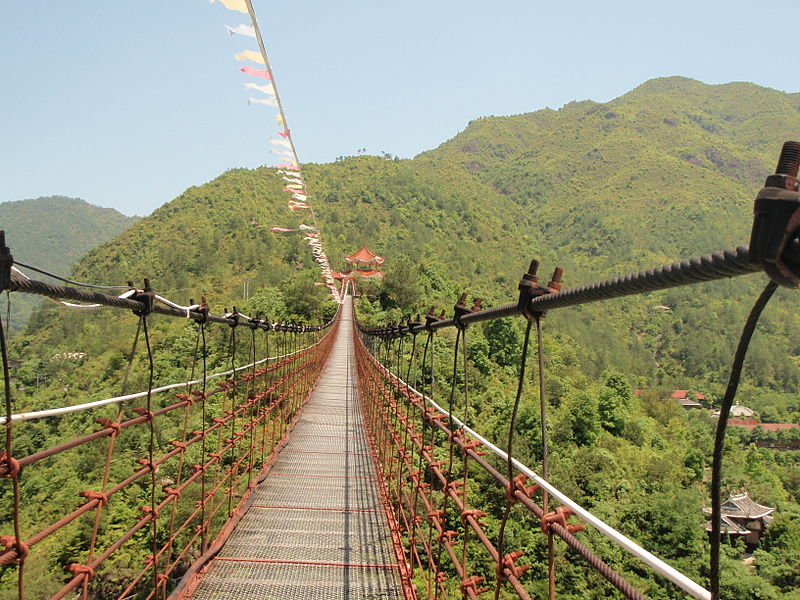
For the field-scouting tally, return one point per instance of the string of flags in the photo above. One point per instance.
(287, 162)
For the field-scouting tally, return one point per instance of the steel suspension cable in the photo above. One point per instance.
(719, 440)
(509, 458)
(13, 469)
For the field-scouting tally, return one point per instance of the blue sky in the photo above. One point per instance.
(126, 103)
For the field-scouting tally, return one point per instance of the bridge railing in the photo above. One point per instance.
(431, 461)
(166, 476)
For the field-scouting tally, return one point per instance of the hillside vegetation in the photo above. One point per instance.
(52, 233)
(666, 171)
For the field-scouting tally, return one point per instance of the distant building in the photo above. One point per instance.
(737, 410)
(364, 264)
(682, 396)
(751, 424)
(743, 517)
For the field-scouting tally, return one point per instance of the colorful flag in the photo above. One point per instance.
(290, 166)
(280, 120)
(247, 30)
(267, 101)
(281, 229)
(284, 134)
(239, 5)
(248, 70)
(297, 205)
(301, 197)
(267, 89)
(250, 55)
(307, 227)
(284, 143)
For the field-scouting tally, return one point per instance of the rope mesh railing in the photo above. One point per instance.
(197, 458)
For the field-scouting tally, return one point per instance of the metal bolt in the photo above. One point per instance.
(789, 161)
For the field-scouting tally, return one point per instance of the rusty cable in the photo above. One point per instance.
(151, 447)
(12, 472)
(722, 422)
(510, 453)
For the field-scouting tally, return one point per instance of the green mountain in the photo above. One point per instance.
(667, 171)
(52, 233)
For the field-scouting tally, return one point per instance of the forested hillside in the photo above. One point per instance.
(52, 233)
(666, 171)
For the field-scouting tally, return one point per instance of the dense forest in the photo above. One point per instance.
(666, 171)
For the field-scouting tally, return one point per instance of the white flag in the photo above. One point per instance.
(267, 89)
(284, 143)
(267, 101)
(247, 30)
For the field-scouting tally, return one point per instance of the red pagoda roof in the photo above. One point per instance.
(365, 256)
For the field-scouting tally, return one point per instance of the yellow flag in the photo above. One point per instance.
(279, 119)
(250, 55)
(234, 5)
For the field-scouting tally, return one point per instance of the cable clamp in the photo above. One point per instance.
(774, 238)
(102, 497)
(508, 566)
(6, 262)
(460, 310)
(150, 511)
(473, 583)
(79, 569)
(530, 288)
(9, 466)
(518, 485)
(9, 542)
(559, 517)
(146, 297)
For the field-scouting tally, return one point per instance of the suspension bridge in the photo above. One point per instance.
(326, 467)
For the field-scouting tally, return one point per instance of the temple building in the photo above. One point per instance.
(743, 517)
(364, 264)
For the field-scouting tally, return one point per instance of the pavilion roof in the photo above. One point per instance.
(741, 506)
(365, 256)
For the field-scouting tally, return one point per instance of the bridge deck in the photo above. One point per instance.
(316, 528)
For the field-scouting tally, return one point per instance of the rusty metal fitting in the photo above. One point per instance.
(559, 516)
(146, 297)
(460, 310)
(508, 566)
(530, 288)
(9, 466)
(9, 542)
(180, 445)
(774, 238)
(474, 513)
(79, 569)
(473, 583)
(436, 516)
(6, 262)
(114, 426)
(150, 511)
(146, 463)
(102, 497)
(201, 312)
(172, 492)
(448, 536)
(452, 487)
(518, 485)
(142, 411)
(441, 577)
(471, 445)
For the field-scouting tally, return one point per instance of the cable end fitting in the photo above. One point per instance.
(6, 262)
(774, 241)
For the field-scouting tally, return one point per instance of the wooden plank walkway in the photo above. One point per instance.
(316, 528)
